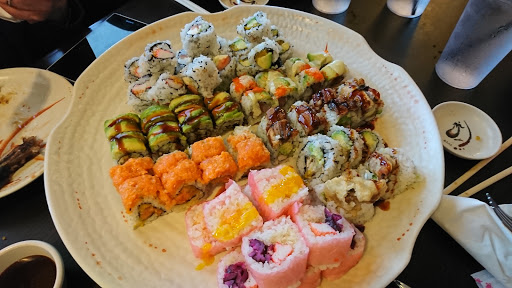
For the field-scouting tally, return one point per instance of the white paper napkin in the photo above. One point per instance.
(475, 226)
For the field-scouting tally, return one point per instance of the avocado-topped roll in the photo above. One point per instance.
(284, 90)
(293, 66)
(255, 103)
(199, 38)
(255, 27)
(225, 112)
(265, 54)
(125, 137)
(309, 81)
(138, 96)
(162, 130)
(166, 88)
(277, 134)
(334, 73)
(305, 119)
(158, 57)
(363, 103)
(194, 120)
(201, 76)
(319, 59)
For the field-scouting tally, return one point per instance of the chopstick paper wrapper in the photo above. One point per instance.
(479, 231)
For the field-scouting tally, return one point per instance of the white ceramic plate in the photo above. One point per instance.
(467, 131)
(26, 93)
(233, 3)
(87, 210)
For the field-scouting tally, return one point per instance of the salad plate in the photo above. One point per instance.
(87, 210)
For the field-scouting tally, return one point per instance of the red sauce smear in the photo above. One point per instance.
(24, 124)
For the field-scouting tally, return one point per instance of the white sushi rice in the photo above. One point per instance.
(266, 44)
(353, 148)
(199, 38)
(158, 57)
(166, 88)
(205, 74)
(138, 93)
(255, 34)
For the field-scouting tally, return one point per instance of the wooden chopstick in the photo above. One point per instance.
(475, 169)
(487, 182)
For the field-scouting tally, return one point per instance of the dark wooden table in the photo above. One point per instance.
(414, 44)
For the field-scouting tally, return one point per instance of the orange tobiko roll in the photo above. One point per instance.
(132, 168)
(248, 150)
(167, 161)
(218, 167)
(207, 148)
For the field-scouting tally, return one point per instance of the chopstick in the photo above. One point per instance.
(476, 168)
(487, 182)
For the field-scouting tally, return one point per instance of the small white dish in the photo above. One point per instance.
(466, 131)
(232, 3)
(32, 103)
(20, 250)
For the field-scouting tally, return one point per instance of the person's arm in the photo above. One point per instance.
(36, 10)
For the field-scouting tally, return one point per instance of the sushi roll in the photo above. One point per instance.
(231, 216)
(293, 66)
(255, 27)
(265, 54)
(182, 59)
(158, 57)
(276, 189)
(312, 278)
(334, 73)
(327, 102)
(319, 159)
(224, 48)
(351, 195)
(194, 120)
(286, 47)
(125, 137)
(363, 103)
(241, 84)
(328, 235)
(371, 142)
(226, 65)
(244, 66)
(239, 47)
(201, 76)
(199, 38)
(276, 254)
(180, 178)
(132, 70)
(166, 88)
(351, 144)
(254, 104)
(218, 169)
(263, 78)
(277, 133)
(132, 168)
(232, 271)
(319, 59)
(284, 90)
(206, 148)
(248, 150)
(304, 119)
(309, 81)
(138, 96)
(350, 260)
(226, 113)
(162, 130)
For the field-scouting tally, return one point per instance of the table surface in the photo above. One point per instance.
(414, 44)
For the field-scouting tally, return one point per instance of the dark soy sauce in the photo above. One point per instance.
(36, 271)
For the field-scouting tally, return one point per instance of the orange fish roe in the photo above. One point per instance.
(315, 73)
(233, 140)
(185, 172)
(134, 189)
(218, 166)
(163, 163)
(243, 83)
(251, 153)
(207, 148)
(132, 168)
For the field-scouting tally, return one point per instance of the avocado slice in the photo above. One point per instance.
(370, 139)
(238, 45)
(244, 62)
(334, 69)
(177, 104)
(261, 79)
(286, 149)
(264, 58)
(319, 59)
(251, 24)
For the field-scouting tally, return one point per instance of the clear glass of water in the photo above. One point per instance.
(331, 6)
(480, 40)
(407, 8)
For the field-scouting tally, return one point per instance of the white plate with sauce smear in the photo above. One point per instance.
(467, 131)
(32, 103)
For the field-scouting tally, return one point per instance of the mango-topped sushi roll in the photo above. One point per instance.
(276, 254)
(350, 260)
(275, 190)
(180, 178)
(232, 270)
(248, 150)
(363, 103)
(231, 216)
(125, 137)
(162, 130)
(193, 117)
(328, 235)
(225, 111)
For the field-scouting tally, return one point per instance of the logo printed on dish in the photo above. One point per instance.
(458, 133)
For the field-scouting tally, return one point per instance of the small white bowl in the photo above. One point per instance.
(17, 251)
(466, 131)
(232, 3)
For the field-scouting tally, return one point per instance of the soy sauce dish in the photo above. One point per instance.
(29, 264)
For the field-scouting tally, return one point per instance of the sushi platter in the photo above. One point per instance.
(169, 121)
